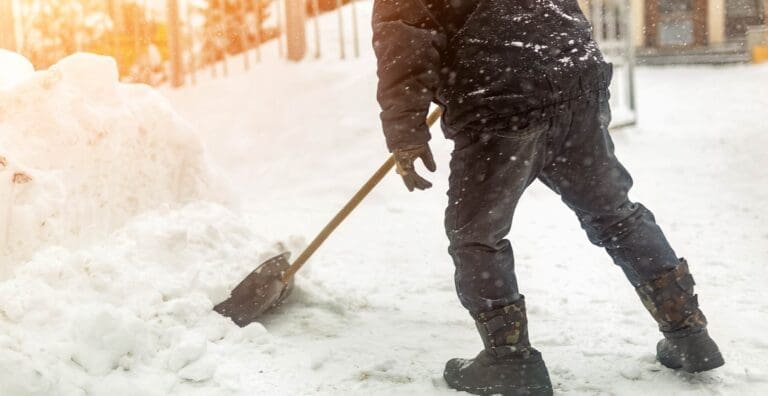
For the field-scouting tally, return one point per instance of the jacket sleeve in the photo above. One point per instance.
(407, 42)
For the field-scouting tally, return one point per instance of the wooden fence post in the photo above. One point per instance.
(245, 42)
(296, 38)
(257, 13)
(7, 26)
(174, 44)
(190, 44)
(224, 51)
(316, 24)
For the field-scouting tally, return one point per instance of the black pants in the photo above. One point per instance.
(572, 153)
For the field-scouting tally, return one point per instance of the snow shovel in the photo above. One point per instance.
(271, 282)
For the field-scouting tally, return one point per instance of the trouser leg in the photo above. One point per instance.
(488, 175)
(594, 184)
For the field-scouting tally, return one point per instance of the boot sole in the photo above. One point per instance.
(532, 369)
(696, 354)
(705, 364)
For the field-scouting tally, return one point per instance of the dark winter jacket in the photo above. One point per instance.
(480, 60)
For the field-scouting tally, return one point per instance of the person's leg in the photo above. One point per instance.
(488, 175)
(594, 184)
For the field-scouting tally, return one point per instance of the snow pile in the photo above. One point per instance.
(114, 243)
(132, 312)
(81, 153)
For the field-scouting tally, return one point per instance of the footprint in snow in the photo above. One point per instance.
(384, 372)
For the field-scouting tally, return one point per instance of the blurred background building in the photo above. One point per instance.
(695, 31)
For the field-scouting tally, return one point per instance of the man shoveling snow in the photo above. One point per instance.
(524, 91)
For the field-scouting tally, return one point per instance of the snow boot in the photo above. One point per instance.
(671, 302)
(508, 365)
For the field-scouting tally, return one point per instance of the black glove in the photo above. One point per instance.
(404, 165)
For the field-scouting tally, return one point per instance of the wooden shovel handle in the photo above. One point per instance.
(348, 208)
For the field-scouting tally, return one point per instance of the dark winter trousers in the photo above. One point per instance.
(572, 153)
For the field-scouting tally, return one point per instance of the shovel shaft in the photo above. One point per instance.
(348, 208)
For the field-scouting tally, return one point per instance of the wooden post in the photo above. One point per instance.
(316, 24)
(296, 38)
(355, 33)
(191, 45)
(257, 13)
(245, 43)
(280, 27)
(225, 24)
(7, 25)
(174, 43)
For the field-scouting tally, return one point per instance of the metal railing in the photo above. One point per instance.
(611, 23)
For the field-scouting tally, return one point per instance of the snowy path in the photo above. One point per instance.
(376, 311)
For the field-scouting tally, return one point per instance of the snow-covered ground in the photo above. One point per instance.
(375, 311)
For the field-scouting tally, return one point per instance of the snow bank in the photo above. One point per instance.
(131, 312)
(116, 240)
(81, 153)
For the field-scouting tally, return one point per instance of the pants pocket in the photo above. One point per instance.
(521, 130)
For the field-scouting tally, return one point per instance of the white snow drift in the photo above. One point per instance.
(88, 304)
(131, 312)
(80, 153)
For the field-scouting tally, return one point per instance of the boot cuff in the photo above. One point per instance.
(671, 301)
(505, 330)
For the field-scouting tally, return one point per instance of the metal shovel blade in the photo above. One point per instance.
(260, 291)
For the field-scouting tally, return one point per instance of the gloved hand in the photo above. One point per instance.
(404, 165)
